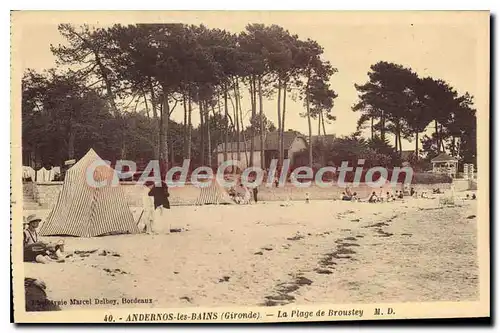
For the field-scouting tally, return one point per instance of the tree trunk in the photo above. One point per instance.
(202, 132)
(161, 140)
(153, 100)
(261, 115)
(234, 131)
(123, 137)
(323, 123)
(400, 144)
(319, 125)
(441, 137)
(396, 141)
(237, 102)
(189, 127)
(166, 118)
(109, 92)
(226, 125)
(245, 146)
(283, 130)
(416, 145)
(252, 129)
(146, 105)
(209, 136)
(184, 127)
(382, 128)
(156, 132)
(172, 150)
(309, 125)
(371, 129)
(279, 123)
(453, 147)
(71, 143)
(438, 143)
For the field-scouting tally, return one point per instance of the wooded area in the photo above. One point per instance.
(115, 89)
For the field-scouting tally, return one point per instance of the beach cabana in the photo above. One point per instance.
(86, 211)
(444, 163)
(214, 194)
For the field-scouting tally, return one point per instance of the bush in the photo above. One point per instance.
(430, 178)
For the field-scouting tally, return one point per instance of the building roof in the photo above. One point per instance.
(443, 157)
(271, 141)
(328, 139)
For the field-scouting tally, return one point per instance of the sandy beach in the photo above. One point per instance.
(272, 254)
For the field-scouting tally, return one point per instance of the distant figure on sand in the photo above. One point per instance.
(36, 250)
(160, 203)
(373, 198)
(255, 192)
(345, 197)
(246, 195)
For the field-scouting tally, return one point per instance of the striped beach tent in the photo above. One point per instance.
(85, 210)
(214, 194)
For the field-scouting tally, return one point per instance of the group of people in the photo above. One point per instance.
(389, 197)
(242, 195)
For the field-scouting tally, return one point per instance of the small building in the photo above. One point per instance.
(292, 143)
(444, 163)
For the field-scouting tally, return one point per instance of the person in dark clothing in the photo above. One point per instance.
(160, 195)
(373, 198)
(160, 198)
(255, 192)
(36, 297)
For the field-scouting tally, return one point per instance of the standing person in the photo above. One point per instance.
(148, 208)
(255, 192)
(160, 197)
(245, 195)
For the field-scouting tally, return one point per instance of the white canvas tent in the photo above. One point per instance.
(86, 211)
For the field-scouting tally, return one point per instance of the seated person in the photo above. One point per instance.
(473, 196)
(232, 192)
(412, 192)
(345, 197)
(38, 251)
(355, 197)
(373, 198)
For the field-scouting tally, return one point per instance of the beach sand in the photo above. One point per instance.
(273, 254)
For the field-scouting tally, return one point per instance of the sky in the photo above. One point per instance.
(431, 44)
